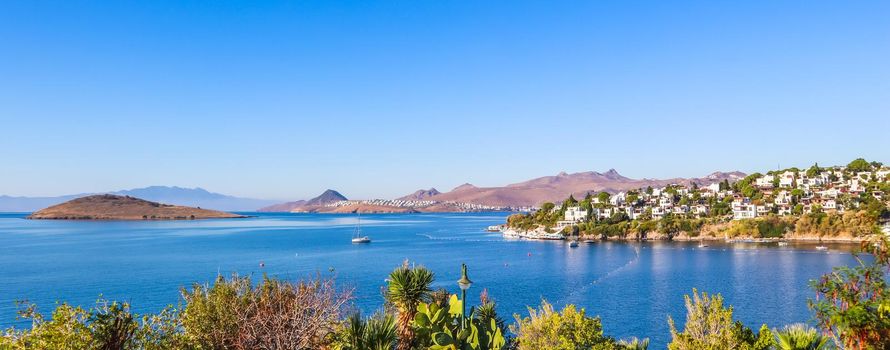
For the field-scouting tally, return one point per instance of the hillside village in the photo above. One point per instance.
(777, 197)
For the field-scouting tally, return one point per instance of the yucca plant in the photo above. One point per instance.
(634, 344)
(376, 333)
(408, 287)
(800, 337)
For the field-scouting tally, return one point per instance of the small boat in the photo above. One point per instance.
(494, 228)
(702, 245)
(589, 241)
(783, 244)
(357, 234)
(573, 244)
(821, 247)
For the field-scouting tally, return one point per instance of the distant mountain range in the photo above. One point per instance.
(529, 193)
(192, 197)
(558, 187)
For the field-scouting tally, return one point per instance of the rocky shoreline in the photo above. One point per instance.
(683, 237)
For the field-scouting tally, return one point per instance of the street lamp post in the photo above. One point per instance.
(464, 283)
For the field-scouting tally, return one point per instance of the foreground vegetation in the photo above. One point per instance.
(851, 309)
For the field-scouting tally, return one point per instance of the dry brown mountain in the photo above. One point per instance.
(560, 186)
(420, 195)
(327, 197)
(114, 207)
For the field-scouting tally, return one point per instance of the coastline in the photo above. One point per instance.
(540, 234)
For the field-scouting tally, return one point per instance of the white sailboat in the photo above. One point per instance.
(357, 234)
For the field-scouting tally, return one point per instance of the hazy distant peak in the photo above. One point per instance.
(726, 175)
(464, 187)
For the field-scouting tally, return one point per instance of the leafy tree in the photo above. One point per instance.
(547, 207)
(709, 326)
(569, 329)
(408, 288)
(814, 170)
(853, 303)
(603, 197)
(571, 201)
(858, 165)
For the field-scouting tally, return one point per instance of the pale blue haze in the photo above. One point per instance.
(283, 99)
(633, 286)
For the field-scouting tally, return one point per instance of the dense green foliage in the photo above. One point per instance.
(800, 337)
(440, 327)
(568, 329)
(853, 303)
(408, 288)
(709, 326)
(375, 333)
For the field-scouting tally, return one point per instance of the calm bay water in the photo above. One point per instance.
(632, 286)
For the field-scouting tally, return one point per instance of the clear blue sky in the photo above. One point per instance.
(379, 98)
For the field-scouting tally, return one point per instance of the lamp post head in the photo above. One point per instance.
(464, 282)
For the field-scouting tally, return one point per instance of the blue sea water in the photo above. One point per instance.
(634, 287)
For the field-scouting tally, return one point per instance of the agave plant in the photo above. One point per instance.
(408, 288)
(376, 333)
(380, 332)
(800, 337)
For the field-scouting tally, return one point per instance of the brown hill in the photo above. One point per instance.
(420, 195)
(114, 207)
(327, 197)
(560, 186)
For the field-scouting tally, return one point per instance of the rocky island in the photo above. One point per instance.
(115, 207)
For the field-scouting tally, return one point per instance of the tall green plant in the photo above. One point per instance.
(408, 287)
(800, 337)
(439, 328)
(376, 333)
(569, 329)
(853, 303)
(634, 344)
(709, 326)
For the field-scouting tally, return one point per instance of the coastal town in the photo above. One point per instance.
(419, 205)
(788, 193)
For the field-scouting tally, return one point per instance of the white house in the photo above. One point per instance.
(765, 181)
(743, 209)
(618, 198)
(575, 214)
(786, 180)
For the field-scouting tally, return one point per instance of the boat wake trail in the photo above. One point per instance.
(461, 239)
(607, 275)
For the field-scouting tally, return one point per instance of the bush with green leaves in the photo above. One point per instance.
(853, 303)
(568, 329)
(375, 333)
(274, 314)
(709, 326)
(439, 328)
(800, 337)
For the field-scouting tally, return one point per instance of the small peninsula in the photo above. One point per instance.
(115, 207)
